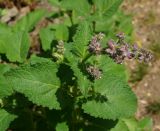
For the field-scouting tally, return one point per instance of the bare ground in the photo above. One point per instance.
(146, 21)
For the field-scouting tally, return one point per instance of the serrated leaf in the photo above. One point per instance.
(82, 7)
(113, 8)
(61, 31)
(81, 40)
(37, 82)
(46, 37)
(5, 89)
(121, 101)
(62, 127)
(83, 83)
(106, 8)
(5, 119)
(4, 68)
(28, 22)
(104, 11)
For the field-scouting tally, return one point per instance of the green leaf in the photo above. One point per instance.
(62, 32)
(36, 59)
(120, 126)
(112, 8)
(5, 88)
(16, 45)
(46, 37)
(145, 124)
(28, 22)
(82, 81)
(82, 7)
(5, 119)
(81, 40)
(4, 68)
(106, 8)
(37, 82)
(4, 31)
(131, 124)
(62, 127)
(121, 101)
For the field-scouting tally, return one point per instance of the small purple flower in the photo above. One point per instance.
(94, 72)
(111, 44)
(119, 59)
(135, 47)
(95, 46)
(120, 35)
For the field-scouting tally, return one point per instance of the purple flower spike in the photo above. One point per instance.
(121, 50)
(111, 44)
(120, 35)
(95, 46)
(94, 72)
(135, 47)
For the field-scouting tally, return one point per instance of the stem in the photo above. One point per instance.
(94, 22)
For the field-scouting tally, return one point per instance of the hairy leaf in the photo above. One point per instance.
(81, 40)
(106, 8)
(83, 83)
(121, 102)
(82, 7)
(38, 82)
(5, 88)
(5, 119)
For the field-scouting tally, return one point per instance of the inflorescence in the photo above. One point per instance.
(95, 45)
(94, 72)
(119, 50)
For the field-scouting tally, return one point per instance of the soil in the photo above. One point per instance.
(146, 17)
